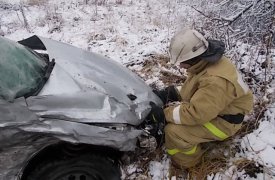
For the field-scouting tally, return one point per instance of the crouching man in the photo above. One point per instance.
(212, 101)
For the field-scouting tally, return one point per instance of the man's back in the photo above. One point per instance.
(215, 89)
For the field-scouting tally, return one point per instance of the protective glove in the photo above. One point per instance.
(156, 120)
(169, 94)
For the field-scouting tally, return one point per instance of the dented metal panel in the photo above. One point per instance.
(83, 96)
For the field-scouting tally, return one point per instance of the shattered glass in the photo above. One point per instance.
(21, 71)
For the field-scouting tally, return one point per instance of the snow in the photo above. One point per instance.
(159, 170)
(132, 32)
(260, 145)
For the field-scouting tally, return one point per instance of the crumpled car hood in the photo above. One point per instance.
(85, 91)
(86, 87)
(84, 96)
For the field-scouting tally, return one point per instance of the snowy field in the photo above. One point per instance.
(137, 34)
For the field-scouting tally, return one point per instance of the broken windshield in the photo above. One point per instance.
(21, 71)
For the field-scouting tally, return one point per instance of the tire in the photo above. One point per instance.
(88, 167)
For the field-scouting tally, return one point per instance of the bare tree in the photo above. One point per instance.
(25, 22)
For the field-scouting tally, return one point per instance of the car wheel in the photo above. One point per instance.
(77, 168)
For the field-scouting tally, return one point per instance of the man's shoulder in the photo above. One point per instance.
(224, 67)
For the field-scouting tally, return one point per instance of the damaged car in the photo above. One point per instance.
(66, 113)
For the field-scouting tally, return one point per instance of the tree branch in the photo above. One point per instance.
(26, 24)
(212, 18)
(234, 18)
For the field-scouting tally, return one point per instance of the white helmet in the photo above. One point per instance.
(186, 45)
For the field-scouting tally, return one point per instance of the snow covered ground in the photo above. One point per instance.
(135, 32)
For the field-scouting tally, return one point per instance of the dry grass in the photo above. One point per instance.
(157, 66)
(142, 158)
(254, 119)
(249, 167)
(119, 1)
(212, 161)
(219, 163)
(36, 2)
